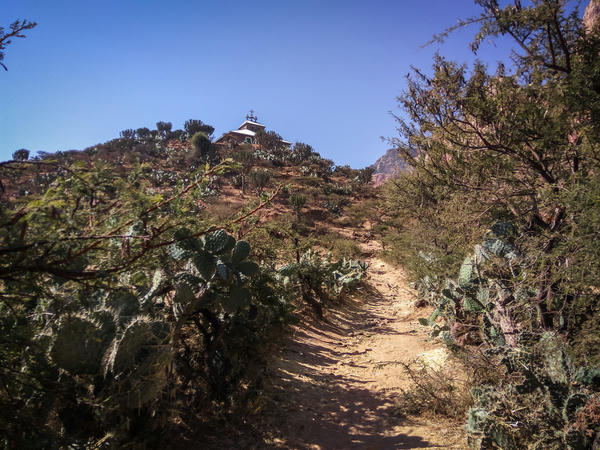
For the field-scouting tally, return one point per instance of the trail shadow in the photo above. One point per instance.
(313, 407)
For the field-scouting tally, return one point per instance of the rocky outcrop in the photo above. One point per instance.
(388, 166)
(592, 13)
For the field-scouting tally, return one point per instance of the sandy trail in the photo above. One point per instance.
(335, 383)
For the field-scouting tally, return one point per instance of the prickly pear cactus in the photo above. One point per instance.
(327, 279)
(572, 405)
(108, 322)
(589, 376)
(238, 298)
(240, 252)
(218, 242)
(205, 264)
(466, 274)
(248, 268)
(123, 302)
(79, 345)
(557, 364)
(139, 361)
(159, 282)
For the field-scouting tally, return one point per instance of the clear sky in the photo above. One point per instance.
(324, 72)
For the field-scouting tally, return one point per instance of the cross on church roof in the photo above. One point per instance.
(251, 116)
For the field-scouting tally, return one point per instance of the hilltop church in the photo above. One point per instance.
(246, 133)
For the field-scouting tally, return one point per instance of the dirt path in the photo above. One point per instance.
(335, 384)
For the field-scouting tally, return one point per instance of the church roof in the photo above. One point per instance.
(244, 131)
(249, 122)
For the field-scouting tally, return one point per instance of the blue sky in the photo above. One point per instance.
(322, 72)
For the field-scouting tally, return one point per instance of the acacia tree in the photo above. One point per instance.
(21, 155)
(271, 142)
(510, 145)
(164, 129)
(260, 180)
(15, 30)
(143, 133)
(301, 152)
(519, 146)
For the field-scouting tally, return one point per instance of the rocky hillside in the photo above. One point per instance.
(592, 12)
(387, 166)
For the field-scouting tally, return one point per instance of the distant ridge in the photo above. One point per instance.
(387, 166)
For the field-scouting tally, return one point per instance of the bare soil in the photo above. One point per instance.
(335, 383)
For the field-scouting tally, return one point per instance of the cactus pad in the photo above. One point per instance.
(218, 242)
(78, 346)
(123, 302)
(466, 273)
(205, 263)
(240, 252)
(248, 268)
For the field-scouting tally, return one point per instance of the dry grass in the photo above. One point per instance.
(436, 392)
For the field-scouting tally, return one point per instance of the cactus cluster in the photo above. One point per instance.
(540, 371)
(546, 404)
(221, 264)
(130, 351)
(123, 348)
(479, 299)
(326, 279)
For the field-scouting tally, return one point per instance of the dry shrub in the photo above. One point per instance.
(435, 391)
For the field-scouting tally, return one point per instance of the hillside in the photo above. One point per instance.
(205, 250)
(283, 209)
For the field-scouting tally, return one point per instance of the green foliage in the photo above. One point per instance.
(113, 299)
(339, 245)
(21, 155)
(245, 157)
(435, 392)
(319, 280)
(297, 201)
(333, 207)
(337, 189)
(201, 144)
(78, 346)
(128, 134)
(139, 364)
(143, 133)
(510, 160)
(259, 179)
(483, 308)
(164, 129)
(317, 167)
(301, 152)
(269, 140)
(194, 126)
(364, 175)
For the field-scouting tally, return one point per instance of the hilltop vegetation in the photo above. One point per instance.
(142, 286)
